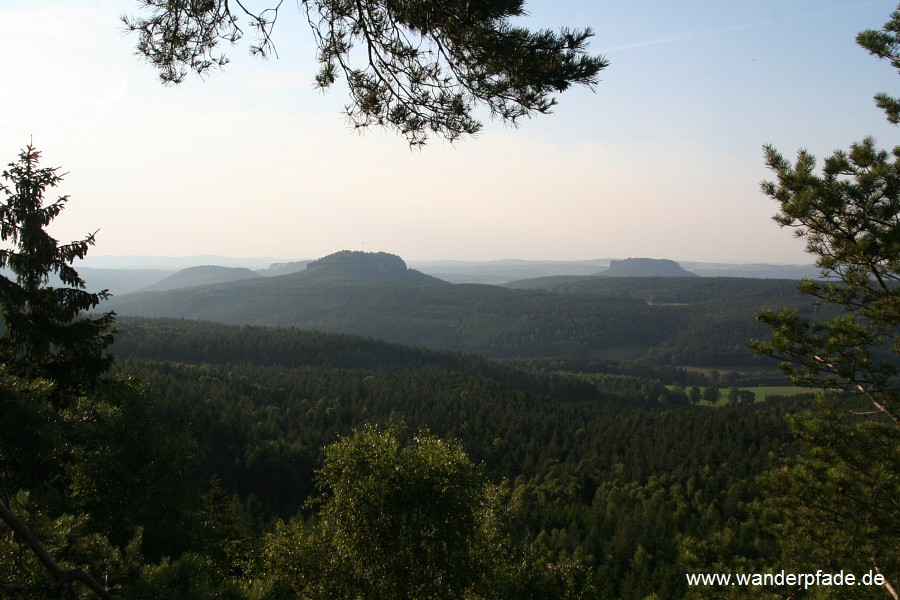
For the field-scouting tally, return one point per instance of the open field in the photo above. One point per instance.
(762, 392)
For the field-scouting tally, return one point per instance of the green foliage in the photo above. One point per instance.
(836, 503)
(294, 563)
(419, 68)
(71, 540)
(46, 335)
(190, 577)
(885, 44)
(850, 218)
(836, 506)
(711, 394)
(584, 478)
(100, 483)
(127, 470)
(695, 395)
(405, 516)
(30, 432)
(52, 364)
(599, 482)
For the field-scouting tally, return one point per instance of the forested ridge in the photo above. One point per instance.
(681, 321)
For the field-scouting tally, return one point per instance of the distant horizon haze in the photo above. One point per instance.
(663, 160)
(258, 262)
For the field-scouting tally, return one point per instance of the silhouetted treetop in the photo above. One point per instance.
(418, 68)
(46, 333)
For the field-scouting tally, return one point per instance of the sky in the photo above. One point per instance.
(662, 160)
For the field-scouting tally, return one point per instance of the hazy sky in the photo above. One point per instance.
(663, 160)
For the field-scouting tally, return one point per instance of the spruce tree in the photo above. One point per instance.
(46, 331)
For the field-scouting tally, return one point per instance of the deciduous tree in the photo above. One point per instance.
(407, 515)
(402, 518)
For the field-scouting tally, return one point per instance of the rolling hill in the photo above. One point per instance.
(203, 275)
(677, 320)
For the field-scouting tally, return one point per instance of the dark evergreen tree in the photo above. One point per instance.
(850, 218)
(885, 43)
(838, 500)
(55, 353)
(836, 505)
(47, 335)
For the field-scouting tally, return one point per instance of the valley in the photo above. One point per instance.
(686, 321)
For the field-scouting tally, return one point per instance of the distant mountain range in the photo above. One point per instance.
(673, 318)
(126, 274)
(346, 265)
(502, 271)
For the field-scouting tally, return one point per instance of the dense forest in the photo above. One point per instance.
(602, 473)
(609, 484)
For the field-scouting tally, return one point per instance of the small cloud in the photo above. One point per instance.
(683, 37)
(115, 90)
(687, 36)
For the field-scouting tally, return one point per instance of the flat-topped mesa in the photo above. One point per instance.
(377, 266)
(646, 267)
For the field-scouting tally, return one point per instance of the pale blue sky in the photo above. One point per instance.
(664, 160)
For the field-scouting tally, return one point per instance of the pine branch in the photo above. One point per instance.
(65, 578)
